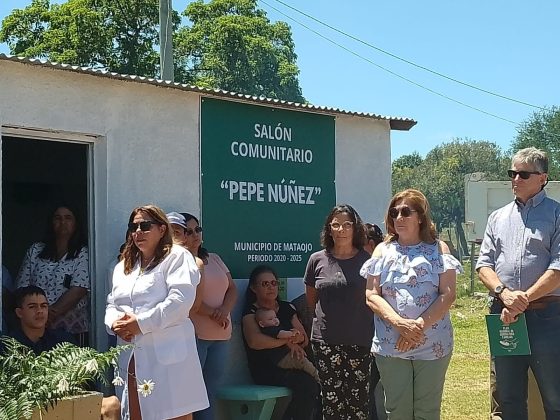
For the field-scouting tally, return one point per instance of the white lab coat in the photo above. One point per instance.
(165, 352)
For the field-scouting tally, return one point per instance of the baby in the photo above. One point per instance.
(270, 325)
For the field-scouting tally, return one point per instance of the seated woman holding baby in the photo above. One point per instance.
(267, 354)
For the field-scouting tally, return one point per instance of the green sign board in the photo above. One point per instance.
(267, 184)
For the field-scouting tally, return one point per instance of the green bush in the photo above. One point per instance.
(32, 382)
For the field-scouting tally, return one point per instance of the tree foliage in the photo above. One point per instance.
(441, 176)
(542, 130)
(229, 44)
(118, 35)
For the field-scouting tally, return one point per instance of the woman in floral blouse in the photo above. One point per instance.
(59, 265)
(411, 286)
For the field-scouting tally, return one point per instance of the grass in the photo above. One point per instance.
(466, 391)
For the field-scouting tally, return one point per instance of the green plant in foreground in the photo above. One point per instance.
(32, 382)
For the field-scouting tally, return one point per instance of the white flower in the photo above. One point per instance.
(92, 366)
(63, 385)
(146, 387)
(118, 381)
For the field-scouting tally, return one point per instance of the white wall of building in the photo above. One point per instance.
(363, 166)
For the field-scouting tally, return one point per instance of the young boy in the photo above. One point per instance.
(270, 325)
(32, 309)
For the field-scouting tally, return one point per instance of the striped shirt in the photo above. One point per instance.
(522, 241)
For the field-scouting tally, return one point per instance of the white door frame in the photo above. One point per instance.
(97, 214)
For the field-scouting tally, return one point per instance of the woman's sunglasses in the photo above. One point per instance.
(197, 229)
(522, 174)
(266, 283)
(404, 211)
(144, 226)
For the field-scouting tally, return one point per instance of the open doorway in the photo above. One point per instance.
(36, 176)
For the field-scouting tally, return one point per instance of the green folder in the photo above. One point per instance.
(508, 340)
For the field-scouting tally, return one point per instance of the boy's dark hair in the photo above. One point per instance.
(22, 292)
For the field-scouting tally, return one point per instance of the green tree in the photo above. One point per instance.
(232, 45)
(441, 177)
(408, 161)
(118, 35)
(405, 172)
(542, 130)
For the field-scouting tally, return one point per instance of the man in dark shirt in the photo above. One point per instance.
(32, 310)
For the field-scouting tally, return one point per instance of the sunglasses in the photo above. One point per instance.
(144, 226)
(522, 174)
(404, 211)
(267, 283)
(197, 229)
(345, 225)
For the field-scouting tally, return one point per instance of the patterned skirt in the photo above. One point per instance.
(344, 372)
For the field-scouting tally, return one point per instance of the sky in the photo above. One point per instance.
(509, 48)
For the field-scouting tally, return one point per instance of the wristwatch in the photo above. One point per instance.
(499, 289)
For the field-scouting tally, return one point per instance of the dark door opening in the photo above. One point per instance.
(36, 176)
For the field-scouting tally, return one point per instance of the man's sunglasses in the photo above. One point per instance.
(197, 229)
(144, 226)
(522, 174)
(404, 211)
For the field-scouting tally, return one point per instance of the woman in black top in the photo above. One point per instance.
(264, 352)
(342, 330)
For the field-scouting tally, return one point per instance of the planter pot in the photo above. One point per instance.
(81, 407)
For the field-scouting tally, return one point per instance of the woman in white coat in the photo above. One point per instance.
(152, 292)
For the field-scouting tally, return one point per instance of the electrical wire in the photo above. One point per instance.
(388, 70)
(507, 98)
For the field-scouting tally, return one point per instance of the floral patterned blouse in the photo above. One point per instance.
(55, 278)
(409, 280)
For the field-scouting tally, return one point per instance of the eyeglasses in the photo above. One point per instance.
(266, 283)
(197, 229)
(344, 225)
(144, 226)
(404, 211)
(522, 174)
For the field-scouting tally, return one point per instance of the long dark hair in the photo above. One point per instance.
(131, 253)
(77, 241)
(201, 253)
(358, 237)
(250, 296)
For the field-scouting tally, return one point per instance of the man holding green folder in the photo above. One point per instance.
(519, 263)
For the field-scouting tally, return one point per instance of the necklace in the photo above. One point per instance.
(142, 269)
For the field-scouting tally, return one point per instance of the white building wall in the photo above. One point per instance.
(363, 166)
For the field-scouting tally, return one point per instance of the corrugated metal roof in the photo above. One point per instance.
(396, 123)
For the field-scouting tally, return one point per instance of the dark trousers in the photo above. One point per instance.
(305, 391)
(543, 326)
